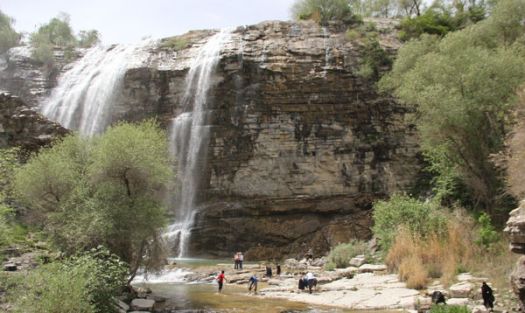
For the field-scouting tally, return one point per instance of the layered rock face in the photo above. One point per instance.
(516, 231)
(22, 127)
(300, 145)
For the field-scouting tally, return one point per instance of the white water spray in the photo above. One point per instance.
(189, 137)
(84, 95)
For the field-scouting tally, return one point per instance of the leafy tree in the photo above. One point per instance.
(322, 11)
(8, 36)
(88, 38)
(487, 233)
(104, 190)
(464, 87)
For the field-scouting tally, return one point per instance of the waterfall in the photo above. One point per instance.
(189, 137)
(83, 97)
(326, 38)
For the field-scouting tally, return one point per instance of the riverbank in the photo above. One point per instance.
(367, 287)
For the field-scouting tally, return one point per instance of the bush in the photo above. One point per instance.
(341, 254)
(487, 233)
(86, 284)
(8, 36)
(87, 39)
(374, 58)
(449, 309)
(176, 43)
(322, 11)
(420, 218)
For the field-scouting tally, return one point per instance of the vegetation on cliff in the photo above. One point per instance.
(59, 33)
(8, 36)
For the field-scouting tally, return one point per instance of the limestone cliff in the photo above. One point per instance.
(22, 127)
(300, 145)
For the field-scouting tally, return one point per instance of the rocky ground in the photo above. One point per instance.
(361, 287)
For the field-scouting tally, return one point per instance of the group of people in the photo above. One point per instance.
(238, 259)
(486, 293)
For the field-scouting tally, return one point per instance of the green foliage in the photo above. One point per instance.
(420, 218)
(341, 254)
(176, 43)
(85, 283)
(58, 33)
(487, 233)
(374, 59)
(88, 38)
(104, 190)
(449, 309)
(55, 288)
(322, 11)
(330, 266)
(464, 88)
(8, 36)
(105, 277)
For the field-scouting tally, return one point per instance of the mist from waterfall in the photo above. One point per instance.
(189, 137)
(83, 97)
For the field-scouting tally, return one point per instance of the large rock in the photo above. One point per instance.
(142, 305)
(24, 127)
(461, 290)
(516, 231)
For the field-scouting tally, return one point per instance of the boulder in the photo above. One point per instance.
(461, 290)
(142, 305)
(371, 268)
(458, 301)
(516, 230)
(10, 267)
(357, 261)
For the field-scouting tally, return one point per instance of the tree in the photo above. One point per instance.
(88, 38)
(8, 36)
(464, 87)
(322, 11)
(105, 190)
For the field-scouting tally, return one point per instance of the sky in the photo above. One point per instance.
(127, 21)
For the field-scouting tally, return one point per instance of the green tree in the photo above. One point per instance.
(88, 38)
(104, 190)
(464, 87)
(8, 36)
(322, 11)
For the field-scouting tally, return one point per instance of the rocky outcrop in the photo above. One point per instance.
(300, 144)
(23, 127)
(516, 231)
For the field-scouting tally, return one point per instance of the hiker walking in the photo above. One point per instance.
(253, 283)
(488, 296)
(220, 280)
(268, 271)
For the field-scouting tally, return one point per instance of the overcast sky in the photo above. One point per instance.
(124, 21)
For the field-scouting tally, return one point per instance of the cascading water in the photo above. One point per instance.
(84, 95)
(189, 137)
(326, 38)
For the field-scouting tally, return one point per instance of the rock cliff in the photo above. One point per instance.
(22, 127)
(300, 144)
(516, 231)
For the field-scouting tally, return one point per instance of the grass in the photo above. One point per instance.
(176, 43)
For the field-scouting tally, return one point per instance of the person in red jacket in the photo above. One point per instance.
(220, 279)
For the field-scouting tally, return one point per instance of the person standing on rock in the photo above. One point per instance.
(220, 280)
(236, 260)
(241, 260)
(278, 269)
(488, 296)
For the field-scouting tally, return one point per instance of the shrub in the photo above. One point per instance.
(449, 309)
(88, 38)
(86, 283)
(322, 11)
(374, 58)
(54, 288)
(341, 254)
(8, 36)
(420, 218)
(413, 272)
(487, 233)
(176, 43)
